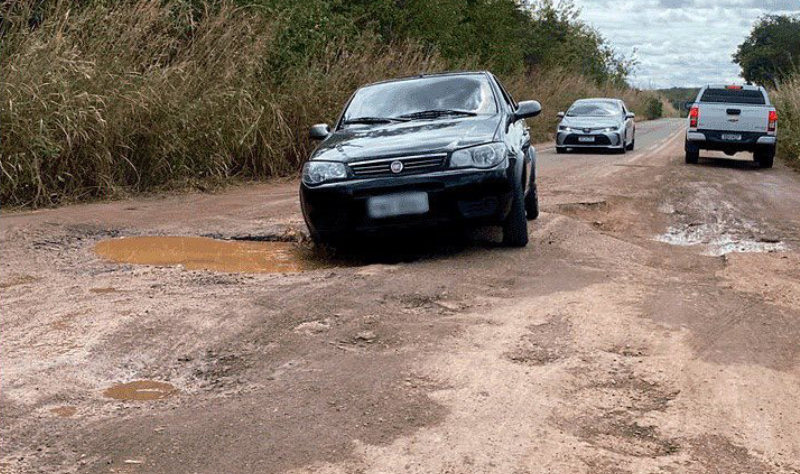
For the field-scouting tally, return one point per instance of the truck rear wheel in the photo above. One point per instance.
(692, 156)
(765, 158)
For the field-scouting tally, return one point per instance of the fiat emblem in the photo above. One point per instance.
(397, 167)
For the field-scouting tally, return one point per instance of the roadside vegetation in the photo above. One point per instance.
(787, 101)
(771, 56)
(105, 98)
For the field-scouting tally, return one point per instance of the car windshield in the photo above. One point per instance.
(428, 97)
(594, 109)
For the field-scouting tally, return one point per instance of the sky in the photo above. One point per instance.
(680, 42)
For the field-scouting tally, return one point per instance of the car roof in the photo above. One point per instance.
(426, 75)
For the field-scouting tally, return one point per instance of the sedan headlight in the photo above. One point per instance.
(610, 129)
(484, 156)
(564, 128)
(318, 172)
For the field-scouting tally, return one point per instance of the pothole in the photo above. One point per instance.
(201, 253)
(544, 343)
(64, 412)
(17, 280)
(140, 390)
(719, 240)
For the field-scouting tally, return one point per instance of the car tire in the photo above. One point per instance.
(515, 227)
(692, 156)
(765, 159)
(560, 150)
(325, 239)
(632, 145)
(532, 203)
(624, 148)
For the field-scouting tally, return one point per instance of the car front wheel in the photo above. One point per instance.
(515, 228)
(532, 203)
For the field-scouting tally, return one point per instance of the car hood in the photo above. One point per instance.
(591, 122)
(359, 142)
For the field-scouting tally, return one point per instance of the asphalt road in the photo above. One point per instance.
(652, 326)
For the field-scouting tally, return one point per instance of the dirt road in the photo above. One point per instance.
(652, 326)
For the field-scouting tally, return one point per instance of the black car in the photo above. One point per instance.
(428, 149)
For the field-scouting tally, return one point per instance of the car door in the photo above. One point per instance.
(518, 135)
(630, 125)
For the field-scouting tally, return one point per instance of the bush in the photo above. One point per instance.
(654, 108)
(787, 101)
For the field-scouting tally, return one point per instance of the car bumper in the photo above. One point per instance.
(601, 140)
(712, 140)
(480, 196)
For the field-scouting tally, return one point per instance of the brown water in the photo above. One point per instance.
(199, 253)
(141, 390)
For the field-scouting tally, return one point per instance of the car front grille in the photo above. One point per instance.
(411, 165)
(598, 140)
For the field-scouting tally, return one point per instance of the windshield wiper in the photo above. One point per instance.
(373, 120)
(438, 113)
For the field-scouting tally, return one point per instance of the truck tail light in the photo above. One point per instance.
(694, 117)
(773, 120)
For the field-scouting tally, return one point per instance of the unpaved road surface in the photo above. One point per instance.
(652, 326)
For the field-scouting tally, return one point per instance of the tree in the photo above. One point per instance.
(772, 51)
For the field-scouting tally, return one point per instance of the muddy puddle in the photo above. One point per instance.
(200, 253)
(140, 390)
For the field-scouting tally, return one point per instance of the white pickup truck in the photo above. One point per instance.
(732, 119)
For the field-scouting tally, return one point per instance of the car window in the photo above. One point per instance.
(734, 96)
(593, 109)
(471, 93)
(506, 96)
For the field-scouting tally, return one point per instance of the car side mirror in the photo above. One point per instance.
(688, 105)
(527, 109)
(630, 115)
(561, 115)
(320, 131)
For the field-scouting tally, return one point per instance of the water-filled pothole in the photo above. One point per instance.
(140, 390)
(200, 253)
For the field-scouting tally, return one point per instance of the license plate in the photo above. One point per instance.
(393, 205)
(731, 137)
(586, 139)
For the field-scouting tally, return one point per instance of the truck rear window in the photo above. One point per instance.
(733, 96)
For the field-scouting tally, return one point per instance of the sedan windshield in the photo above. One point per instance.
(594, 109)
(424, 98)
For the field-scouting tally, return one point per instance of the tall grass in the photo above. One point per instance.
(787, 100)
(132, 96)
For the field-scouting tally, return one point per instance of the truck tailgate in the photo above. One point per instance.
(734, 117)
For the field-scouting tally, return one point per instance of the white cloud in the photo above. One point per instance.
(680, 42)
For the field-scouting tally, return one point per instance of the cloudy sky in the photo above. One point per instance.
(680, 42)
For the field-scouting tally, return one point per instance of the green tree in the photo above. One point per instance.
(772, 51)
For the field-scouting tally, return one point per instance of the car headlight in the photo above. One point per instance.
(610, 129)
(564, 128)
(484, 156)
(318, 172)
